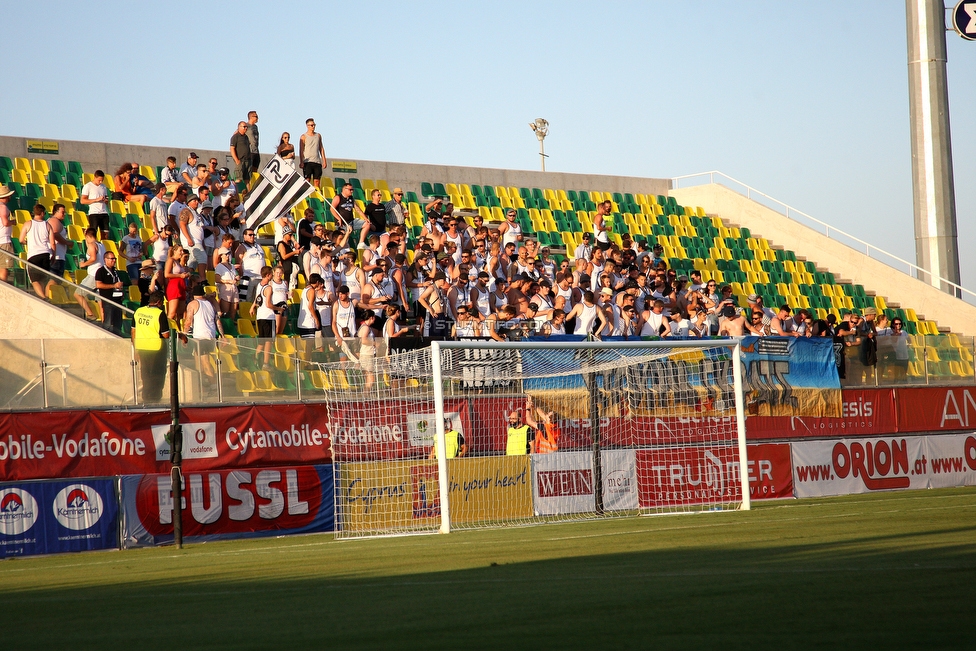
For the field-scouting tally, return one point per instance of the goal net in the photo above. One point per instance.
(473, 434)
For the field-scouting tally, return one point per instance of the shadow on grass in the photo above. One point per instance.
(903, 590)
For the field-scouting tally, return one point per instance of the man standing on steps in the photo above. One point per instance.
(311, 154)
(252, 138)
(150, 330)
(240, 151)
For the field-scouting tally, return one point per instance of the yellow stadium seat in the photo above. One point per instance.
(245, 327)
(41, 165)
(57, 295)
(19, 176)
(69, 192)
(22, 164)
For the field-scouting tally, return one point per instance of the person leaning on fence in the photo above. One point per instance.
(150, 330)
(521, 439)
(453, 443)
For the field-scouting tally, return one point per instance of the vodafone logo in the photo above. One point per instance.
(78, 507)
(18, 511)
(199, 441)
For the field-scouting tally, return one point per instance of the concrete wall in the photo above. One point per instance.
(28, 317)
(845, 262)
(109, 156)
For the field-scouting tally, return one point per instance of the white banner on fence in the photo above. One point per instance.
(564, 482)
(862, 465)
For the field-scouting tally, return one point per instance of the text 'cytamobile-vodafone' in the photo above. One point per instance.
(846, 466)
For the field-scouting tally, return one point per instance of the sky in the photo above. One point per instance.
(804, 101)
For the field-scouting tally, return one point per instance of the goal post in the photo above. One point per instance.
(486, 434)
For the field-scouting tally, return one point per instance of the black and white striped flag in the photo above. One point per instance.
(281, 187)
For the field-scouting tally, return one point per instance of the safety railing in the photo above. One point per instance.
(65, 295)
(834, 233)
(107, 373)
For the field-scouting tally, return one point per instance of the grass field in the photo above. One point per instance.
(885, 571)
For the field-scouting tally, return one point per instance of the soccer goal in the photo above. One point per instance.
(476, 434)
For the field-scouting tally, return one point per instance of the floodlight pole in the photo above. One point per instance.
(936, 246)
(541, 129)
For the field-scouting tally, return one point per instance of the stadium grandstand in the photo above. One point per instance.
(728, 239)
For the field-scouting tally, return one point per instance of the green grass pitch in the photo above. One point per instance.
(884, 571)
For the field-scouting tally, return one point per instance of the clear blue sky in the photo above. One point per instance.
(807, 102)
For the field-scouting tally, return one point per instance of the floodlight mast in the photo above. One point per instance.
(541, 128)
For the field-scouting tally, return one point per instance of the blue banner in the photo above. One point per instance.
(791, 376)
(49, 517)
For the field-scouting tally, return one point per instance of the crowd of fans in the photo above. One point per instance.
(358, 280)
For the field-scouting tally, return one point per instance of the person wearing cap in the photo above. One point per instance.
(221, 187)
(434, 300)
(240, 151)
(192, 233)
(377, 294)
(731, 323)
(188, 170)
(6, 233)
(585, 249)
(311, 154)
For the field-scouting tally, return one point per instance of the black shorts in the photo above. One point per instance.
(312, 170)
(99, 221)
(266, 328)
(57, 268)
(44, 262)
(603, 246)
(307, 333)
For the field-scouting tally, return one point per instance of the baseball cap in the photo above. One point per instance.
(752, 298)
(192, 197)
(870, 311)
(193, 154)
(728, 311)
(223, 170)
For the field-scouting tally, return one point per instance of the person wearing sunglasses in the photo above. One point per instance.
(311, 154)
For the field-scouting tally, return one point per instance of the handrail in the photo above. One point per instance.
(18, 261)
(788, 211)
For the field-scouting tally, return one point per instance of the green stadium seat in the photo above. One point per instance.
(75, 168)
(439, 190)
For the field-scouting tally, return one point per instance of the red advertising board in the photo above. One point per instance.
(699, 475)
(865, 412)
(106, 443)
(936, 409)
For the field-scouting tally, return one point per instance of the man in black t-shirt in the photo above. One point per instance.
(240, 150)
(376, 220)
(109, 286)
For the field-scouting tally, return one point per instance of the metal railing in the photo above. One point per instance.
(834, 233)
(110, 373)
(22, 274)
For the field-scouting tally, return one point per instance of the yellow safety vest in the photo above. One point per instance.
(518, 440)
(147, 328)
(452, 441)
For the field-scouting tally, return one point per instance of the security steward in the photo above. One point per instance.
(521, 436)
(151, 328)
(453, 440)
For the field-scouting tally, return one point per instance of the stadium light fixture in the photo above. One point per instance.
(541, 128)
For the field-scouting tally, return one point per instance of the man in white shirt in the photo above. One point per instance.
(6, 231)
(188, 171)
(584, 250)
(95, 196)
(222, 187)
(192, 234)
(159, 209)
(178, 203)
